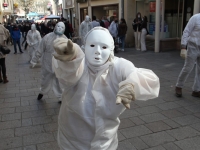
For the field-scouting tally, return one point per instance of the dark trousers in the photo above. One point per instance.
(17, 42)
(3, 67)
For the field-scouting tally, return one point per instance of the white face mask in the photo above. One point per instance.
(98, 47)
(60, 28)
(87, 18)
(33, 27)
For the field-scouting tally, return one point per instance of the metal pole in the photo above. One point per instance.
(163, 19)
(157, 30)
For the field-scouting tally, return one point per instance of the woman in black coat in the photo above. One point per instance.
(137, 30)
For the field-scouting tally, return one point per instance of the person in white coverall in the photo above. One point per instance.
(33, 39)
(84, 28)
(45, 50)
(89, 116)
(191, 39)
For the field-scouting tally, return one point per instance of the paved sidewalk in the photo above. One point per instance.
(165, 123)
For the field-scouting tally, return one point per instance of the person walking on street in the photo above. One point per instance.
(16, 36)
(113, 29)
(122, 29)
(137, 30)
(144, 32)
(190, 39)
(94, 22)
(45, 50)
(33, 40)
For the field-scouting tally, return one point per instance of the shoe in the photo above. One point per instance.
(1, 78)
(21, 52)
(178, 91)
(196, 94)
(5, 80)
(39, 96)
(15, 52)
(60, 102)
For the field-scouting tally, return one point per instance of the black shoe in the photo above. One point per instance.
(15, 52)
(60, 102)
(21, 52)
(178, 92)
(39, 97)
(1, 80)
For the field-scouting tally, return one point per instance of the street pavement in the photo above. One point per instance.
(164, 123)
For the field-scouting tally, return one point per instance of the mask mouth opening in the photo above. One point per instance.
(97, 58)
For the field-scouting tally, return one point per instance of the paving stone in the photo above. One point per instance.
(10, 143)
(171, 123)
(49, 106)
(55, 118)
(48, 146)
(42, 120)
(27, 122)
(172, 113)
(153, 117)
(10, 100)
(148, 110)
(171, 146)
(137, 121)
(32, 147)
(50, 112)
(183, 132)
(8, 133)
(156, 139)
(194, 108)
(8, 117)
(26, 108)
(10, 124)
(138, 143)
(6, 105)
(128, 114)
(125, 145)
(125, 123)
(25, 103)
(157, 126)
(29, 130)
(51, 127)
(30, 114)
(38, 138)
(135, 131)
(168, 105)
(120, 136)
(189, 144)
(186, 120)
(7, 111)
(156, 148)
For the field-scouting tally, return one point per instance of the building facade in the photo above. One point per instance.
(170, 16)
(6, 10)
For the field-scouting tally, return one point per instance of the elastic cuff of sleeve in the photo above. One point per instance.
(183, 46)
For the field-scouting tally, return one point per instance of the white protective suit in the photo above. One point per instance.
(33, 39)
(88, 118)
(191, 38)
(84, 28)
(45, 50)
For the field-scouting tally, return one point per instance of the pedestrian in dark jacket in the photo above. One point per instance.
(16, 35)
(122, 29)
(137, 29)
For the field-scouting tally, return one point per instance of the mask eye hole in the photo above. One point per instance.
(104, 47)
(92, 45)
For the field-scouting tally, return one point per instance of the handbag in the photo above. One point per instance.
(4, 50)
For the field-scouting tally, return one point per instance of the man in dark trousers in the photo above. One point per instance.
(16, 35)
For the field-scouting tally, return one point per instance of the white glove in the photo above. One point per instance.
(32, 64)
(65, 49)
(183, 53)
(125, 95)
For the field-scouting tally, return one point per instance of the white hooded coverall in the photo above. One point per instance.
(84, 28)
(48, 79)
(33, 39)
(191, 39)
(88, 118)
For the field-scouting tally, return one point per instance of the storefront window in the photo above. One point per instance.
(109, 11)
(176, 15)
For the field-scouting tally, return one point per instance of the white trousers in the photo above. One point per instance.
(49, 81)
(137, 39)
(192, 58)
(143, 39)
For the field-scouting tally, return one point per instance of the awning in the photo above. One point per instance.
(52, 17)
